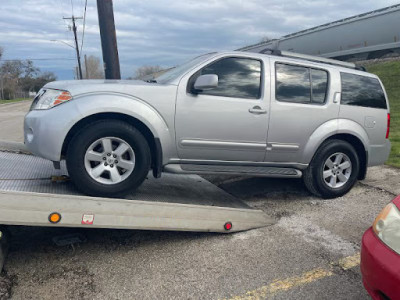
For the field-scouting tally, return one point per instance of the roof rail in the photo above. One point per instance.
(310, 58)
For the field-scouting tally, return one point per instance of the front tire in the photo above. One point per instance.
(333, 170)
(108, 158)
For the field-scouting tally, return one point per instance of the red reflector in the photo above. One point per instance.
(388, 126)
(228, 226)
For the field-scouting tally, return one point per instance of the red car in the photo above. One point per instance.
(380, 254)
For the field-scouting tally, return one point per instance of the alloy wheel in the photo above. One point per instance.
(109, 160)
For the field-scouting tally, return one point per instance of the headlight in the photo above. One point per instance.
(49, 98)
(387, 227)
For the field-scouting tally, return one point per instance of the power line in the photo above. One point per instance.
(84, 23)
(72, 7)
(67, 32)
(59, 58)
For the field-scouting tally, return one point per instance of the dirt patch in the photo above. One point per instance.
(6, 283)
(61, 281)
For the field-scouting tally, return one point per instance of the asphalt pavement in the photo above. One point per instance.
(312, 252)
(12, 120)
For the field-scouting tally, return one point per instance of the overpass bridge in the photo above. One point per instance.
(369, 35)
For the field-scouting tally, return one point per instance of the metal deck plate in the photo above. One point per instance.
(27, 173)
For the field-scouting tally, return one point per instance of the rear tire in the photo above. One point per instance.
(333, 170)
(108, 158)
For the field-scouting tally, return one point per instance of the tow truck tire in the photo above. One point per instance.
(333, 170)
(117, 173)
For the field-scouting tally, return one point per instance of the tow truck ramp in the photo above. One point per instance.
(40, 209)
(29, 197)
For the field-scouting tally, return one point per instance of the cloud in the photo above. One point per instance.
(160, 32)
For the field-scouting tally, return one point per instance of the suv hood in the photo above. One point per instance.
(76, 87)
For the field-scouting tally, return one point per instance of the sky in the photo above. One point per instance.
(158, 32)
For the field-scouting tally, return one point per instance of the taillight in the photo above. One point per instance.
(388, 126)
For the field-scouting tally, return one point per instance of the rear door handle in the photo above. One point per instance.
(257, 110)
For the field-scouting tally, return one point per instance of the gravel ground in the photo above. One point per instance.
(310, 235)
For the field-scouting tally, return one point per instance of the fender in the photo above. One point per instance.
(353, 128)
(329, 129)
(90, 104)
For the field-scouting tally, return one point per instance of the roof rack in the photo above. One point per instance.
(312, 58)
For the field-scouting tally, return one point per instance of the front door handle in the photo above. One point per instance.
(257, 110)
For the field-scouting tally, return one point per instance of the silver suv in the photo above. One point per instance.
(280, 115)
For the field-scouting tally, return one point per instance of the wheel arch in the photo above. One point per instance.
(358, 145)
(341, 129)
(152, 140)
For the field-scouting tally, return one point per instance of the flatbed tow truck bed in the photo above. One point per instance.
(31, 190)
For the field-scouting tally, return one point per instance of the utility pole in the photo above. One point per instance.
(86, 69)
(108, 39)
(2, 88)
(76, 44)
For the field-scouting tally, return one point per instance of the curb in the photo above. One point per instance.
(16, 147)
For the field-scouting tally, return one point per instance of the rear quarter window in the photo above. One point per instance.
(362, 91)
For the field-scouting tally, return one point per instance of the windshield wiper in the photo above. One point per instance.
(151, 81)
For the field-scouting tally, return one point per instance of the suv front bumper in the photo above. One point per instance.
(45, 131)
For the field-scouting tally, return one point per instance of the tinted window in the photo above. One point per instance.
(319, 81)
(293, 84)
(362, 91)
(300, 84)
(237, 77)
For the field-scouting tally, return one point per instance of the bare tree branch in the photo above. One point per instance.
(144, 72)
(94, 69)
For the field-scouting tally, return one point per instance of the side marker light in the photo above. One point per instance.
(54, 218)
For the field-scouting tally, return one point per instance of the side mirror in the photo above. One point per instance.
(206, 82)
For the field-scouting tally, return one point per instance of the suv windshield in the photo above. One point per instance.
(181, 69)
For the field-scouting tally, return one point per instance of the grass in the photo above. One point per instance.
(389, 73)
(14, 100)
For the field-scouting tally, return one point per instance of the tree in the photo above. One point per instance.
(144, 72)
(10, 72)
(12, 69)
(43, 79)
(265, 39)
(30, 72)
(29, 69)
(1, 52)
(20, 77)
(93, 69)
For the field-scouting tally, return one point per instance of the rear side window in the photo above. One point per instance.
(362, 91)
(300, 84)
(319, 80)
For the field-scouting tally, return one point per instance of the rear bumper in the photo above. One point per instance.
(380, 268)
(378, 155)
